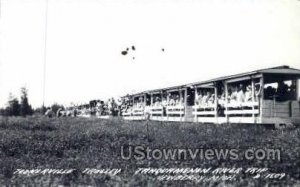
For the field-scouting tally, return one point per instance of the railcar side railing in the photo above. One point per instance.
(204, 113)
(175, 113)
(156, 112)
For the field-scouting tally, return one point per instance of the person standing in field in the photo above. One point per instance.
(75, 112)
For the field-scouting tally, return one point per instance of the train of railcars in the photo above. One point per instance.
(265, 96)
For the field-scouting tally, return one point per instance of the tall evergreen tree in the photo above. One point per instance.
(25, 108)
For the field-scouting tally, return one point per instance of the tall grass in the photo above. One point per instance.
(38, 142)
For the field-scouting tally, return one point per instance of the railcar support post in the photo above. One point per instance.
(195, 106)
(185, 103)
(226, 102)
(151, 104)
(132, 112)
(162, 106)
(298, 89)
(261, 99)
(145, 105)
(168, 102)
(216, 102)
(180, 99)
(253, 99)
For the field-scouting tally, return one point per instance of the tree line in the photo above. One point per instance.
(16, 107)
(21, 107)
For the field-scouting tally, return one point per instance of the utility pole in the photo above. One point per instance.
(45, 53)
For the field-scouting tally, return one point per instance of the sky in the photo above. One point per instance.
(84, 40)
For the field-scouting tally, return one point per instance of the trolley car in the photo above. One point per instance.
(268, 96)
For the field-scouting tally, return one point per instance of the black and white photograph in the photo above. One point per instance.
(150, 93)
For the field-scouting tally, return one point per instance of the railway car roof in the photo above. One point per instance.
(274, 70)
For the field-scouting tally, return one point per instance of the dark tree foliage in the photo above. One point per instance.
(25, 108)
(17, 108)
(40, 110)
(56, 106)
(13, 106)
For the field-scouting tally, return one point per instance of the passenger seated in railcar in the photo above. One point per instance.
(221, 99)
(174, 100)
(199, 97)
(171, 101)
(177, 100)
(207, 99)
(232, 95)
(248, 93)
(240, 96)
(210, 99)
(204, 99)
(157, 102)
(282, 91)
(181, 101)
(292, 92)
(128, 105)
(269, 93)
(136, 106)
(141, 102)
(237, 96)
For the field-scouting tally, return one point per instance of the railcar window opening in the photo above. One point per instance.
(241, 92)
(126, 106)
(156, 99)
(242, 99)
(280, 90)
(205, 101)
(175, 98)
(138, 102)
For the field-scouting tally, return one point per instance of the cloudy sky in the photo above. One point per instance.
(202, 40)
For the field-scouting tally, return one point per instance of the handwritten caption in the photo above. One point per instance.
(168, 174)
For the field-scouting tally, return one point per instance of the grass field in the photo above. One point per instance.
(38, 142)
